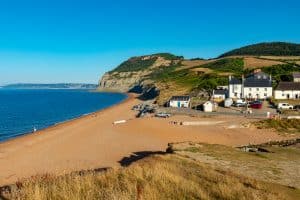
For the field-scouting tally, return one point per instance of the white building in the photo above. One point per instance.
(235, 88)
(256, 86)
(296, 77)
(219, 95)
(287, 90)
(180, 101)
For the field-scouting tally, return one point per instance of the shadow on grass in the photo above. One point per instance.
(135, 156)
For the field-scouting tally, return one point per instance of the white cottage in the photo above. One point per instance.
(258, 86)
(219, 95)
(287, 90)
(255, 86)
(180, 101)
(235, 88)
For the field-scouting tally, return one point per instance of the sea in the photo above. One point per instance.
(23, 110)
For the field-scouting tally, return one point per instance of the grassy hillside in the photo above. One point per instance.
(192, 76)
(174, 75)
(143, 62)
(170, 176)
(267, 49)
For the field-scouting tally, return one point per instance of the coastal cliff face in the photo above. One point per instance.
(136, 73)
(121, 81)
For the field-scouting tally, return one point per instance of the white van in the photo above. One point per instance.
(285, 106)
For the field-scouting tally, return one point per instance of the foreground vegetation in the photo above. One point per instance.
(157, 177)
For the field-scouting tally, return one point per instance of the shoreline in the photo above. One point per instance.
(93, 141)
(68, 120)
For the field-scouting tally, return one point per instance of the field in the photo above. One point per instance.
(252, 62)
(281, 57)
(194, 172)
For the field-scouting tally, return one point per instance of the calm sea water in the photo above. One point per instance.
(22, 110)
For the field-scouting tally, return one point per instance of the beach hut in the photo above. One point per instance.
(180, 101)
(228, 102)
(209, 106)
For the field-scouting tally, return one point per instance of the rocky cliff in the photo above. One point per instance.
(136, 72)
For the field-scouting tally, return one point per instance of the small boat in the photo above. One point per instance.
(34, 130)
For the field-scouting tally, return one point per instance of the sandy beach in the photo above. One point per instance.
(93, 142)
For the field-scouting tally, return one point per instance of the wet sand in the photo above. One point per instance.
(93, 142)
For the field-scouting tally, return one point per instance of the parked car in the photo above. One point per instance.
(297, 107)
(162, 115)
(256, 104)
(284, 106)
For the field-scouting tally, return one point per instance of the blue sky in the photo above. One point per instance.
(48, 41)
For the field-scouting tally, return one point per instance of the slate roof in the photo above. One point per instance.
(180, 98)
(220, 92)
(259, 79)
(288, 86)
(235, 81)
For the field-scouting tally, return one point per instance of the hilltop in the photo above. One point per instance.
(164, 75)
(267, 49)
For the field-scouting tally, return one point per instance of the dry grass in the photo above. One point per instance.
(279, 166)
(281, 57)
(169, 89)
(157, 177)
(251, 62)
(203, 70)
(280, 125)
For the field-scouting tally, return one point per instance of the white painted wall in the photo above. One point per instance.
(259, 92)
(296, 79)
(208, 106)
(219, 96)
(287, 94)
(235, 91)
(183, 104)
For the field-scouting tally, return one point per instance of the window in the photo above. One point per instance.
(266, 89)
(257, 89)
(235, 94)
(265, 94)
(250, 89)
(250, 95)
(283, 94)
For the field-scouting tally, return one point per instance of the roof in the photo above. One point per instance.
(296, 74)
(234, 81)
(180, 98)
(220, 92)
(288, 86)
(259, 79)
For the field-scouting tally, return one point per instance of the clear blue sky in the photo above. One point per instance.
(78, 40)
